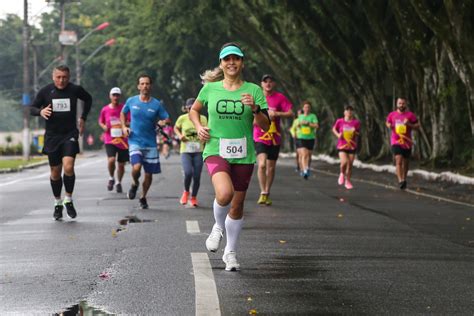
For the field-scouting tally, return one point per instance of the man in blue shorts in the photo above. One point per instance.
(145, 113)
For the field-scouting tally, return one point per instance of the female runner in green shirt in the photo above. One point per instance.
(233, 105)
(305, 137)
(191, 153)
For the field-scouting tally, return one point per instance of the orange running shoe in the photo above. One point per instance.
(194, 201)
(184, 198)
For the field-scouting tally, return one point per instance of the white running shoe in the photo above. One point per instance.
(230, 261)
(340, 180)
(214, 239)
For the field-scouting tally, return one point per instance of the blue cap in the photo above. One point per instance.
(230, 50)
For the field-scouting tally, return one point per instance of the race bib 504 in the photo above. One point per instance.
(233, 148)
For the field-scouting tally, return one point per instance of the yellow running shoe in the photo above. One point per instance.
(268, 201)
(262, 199)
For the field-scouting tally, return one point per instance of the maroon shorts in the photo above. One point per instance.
(240, 174)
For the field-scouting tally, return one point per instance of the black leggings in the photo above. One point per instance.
(192, 167)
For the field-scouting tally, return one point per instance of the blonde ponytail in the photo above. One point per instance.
(212, 75)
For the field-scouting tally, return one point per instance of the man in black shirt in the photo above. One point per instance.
(57, 104)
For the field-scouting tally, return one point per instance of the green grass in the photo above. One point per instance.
(17, 163)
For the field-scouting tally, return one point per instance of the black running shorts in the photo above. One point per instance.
(271, 151)
(113, 151)
(347, 151)
(305, 143)
(69, 148)
(405, 152)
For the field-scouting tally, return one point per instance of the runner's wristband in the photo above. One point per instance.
(258, 110)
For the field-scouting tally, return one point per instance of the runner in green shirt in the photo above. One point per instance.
(191, 153)
(233, 106)
(293, 128)
(305, 137)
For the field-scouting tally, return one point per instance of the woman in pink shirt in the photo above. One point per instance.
(346, 130)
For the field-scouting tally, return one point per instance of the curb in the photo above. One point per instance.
(427, 175)
(40, 163)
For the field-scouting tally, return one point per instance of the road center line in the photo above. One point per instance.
(207, 301)
(192, 227)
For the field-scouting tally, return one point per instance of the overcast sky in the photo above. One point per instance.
(16, 7)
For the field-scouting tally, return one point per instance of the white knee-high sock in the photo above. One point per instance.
(233, 228)
(220, 212)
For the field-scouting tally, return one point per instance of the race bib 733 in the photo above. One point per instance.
(61, 105)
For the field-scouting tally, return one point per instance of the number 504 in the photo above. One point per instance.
(234, 149)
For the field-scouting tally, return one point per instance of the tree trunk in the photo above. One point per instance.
(452, 23)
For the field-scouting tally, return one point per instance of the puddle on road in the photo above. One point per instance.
(83, 309)
(130, 219)
(135, 219)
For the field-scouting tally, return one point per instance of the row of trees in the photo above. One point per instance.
(363, 52)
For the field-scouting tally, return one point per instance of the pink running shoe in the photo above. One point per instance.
(340, 181)
(348, 185)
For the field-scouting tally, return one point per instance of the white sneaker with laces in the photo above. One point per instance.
(214, 239)
(230, 261)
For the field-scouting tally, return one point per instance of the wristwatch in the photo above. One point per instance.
(258, 110)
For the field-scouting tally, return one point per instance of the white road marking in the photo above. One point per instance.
(88, 163)
(207, 301)
(192, 227)
(43, 175)
(47, 174)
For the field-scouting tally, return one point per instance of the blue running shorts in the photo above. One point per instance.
(148, 157)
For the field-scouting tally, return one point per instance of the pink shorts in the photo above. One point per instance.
(240, 174)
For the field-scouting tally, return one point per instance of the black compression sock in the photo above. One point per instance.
(56, 185)
(69, 183)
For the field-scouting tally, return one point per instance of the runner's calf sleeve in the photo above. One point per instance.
(69, 183)
(56, 185)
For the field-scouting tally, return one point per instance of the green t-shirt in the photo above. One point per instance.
(192, 143)
(230, 122)
(306, 131)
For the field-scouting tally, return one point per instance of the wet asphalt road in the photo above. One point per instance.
(318, 250)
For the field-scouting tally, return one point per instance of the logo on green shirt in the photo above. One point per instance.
(230, 109)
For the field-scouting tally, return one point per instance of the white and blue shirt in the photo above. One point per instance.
(144, 117)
